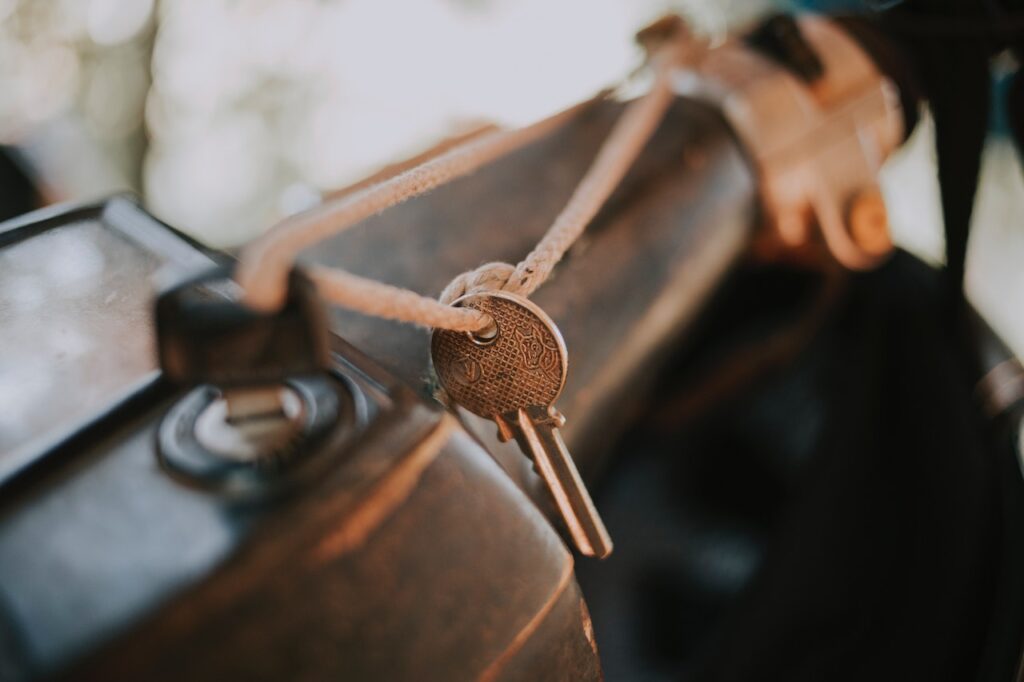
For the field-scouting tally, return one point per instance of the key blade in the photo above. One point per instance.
(537, 434)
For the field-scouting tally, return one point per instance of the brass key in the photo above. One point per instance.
(513, 375)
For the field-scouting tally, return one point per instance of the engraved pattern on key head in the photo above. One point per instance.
(524, 365)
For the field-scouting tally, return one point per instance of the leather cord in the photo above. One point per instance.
(264, 266)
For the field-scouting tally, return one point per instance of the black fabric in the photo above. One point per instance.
(845, 518)
(17, 193)
(950, 44)
(956, 77)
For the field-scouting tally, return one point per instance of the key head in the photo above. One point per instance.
(523, 364)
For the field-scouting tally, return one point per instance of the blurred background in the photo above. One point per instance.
(227, 115)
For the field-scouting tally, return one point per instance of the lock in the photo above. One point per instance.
(263, 396)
